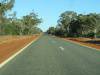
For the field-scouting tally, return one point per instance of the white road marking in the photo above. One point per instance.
(14, 55)
(79, 44)
(62, 48)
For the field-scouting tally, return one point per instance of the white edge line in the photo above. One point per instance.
(14, 55)
(83, 45)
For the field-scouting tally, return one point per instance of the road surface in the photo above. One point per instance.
(53, 56)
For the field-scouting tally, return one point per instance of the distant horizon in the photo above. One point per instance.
(50, 10)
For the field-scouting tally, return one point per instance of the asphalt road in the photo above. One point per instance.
(53, 56)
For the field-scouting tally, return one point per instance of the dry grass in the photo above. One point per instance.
(11, 44)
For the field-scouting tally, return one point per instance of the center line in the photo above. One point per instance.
(61, 48)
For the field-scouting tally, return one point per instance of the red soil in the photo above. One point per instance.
(14, 44)
(86, 41)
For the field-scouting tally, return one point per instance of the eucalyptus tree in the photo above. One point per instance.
(36, 30)
(5, 5)
(89, 23)
(96, 22)
(51, 30)
(30, 21)
(65, 19)
(85, 24)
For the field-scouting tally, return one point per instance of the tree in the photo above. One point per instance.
(5, 5)
(72, 24)
(36, 30)
(51, 30)
(96, 22)
(29, 22)
(65, 19)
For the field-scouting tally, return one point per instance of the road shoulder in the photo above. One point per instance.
(17, 53)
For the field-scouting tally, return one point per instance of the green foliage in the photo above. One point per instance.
(11, 25)
(51, 30)
(72, 24)
(10, 30)
(5, 5)
(36, 30)
(30, 22)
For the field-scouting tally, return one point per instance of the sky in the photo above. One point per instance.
(50, 10)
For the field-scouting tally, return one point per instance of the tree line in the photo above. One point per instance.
(11, 25)
(71, 24)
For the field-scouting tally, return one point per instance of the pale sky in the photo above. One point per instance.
(50, 10)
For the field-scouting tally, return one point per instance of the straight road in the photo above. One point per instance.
(53, 56)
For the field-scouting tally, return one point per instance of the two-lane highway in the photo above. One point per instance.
(53, 56)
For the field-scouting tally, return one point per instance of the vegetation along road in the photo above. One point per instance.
(53, 56)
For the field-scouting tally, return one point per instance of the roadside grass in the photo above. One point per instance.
(9, 45)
